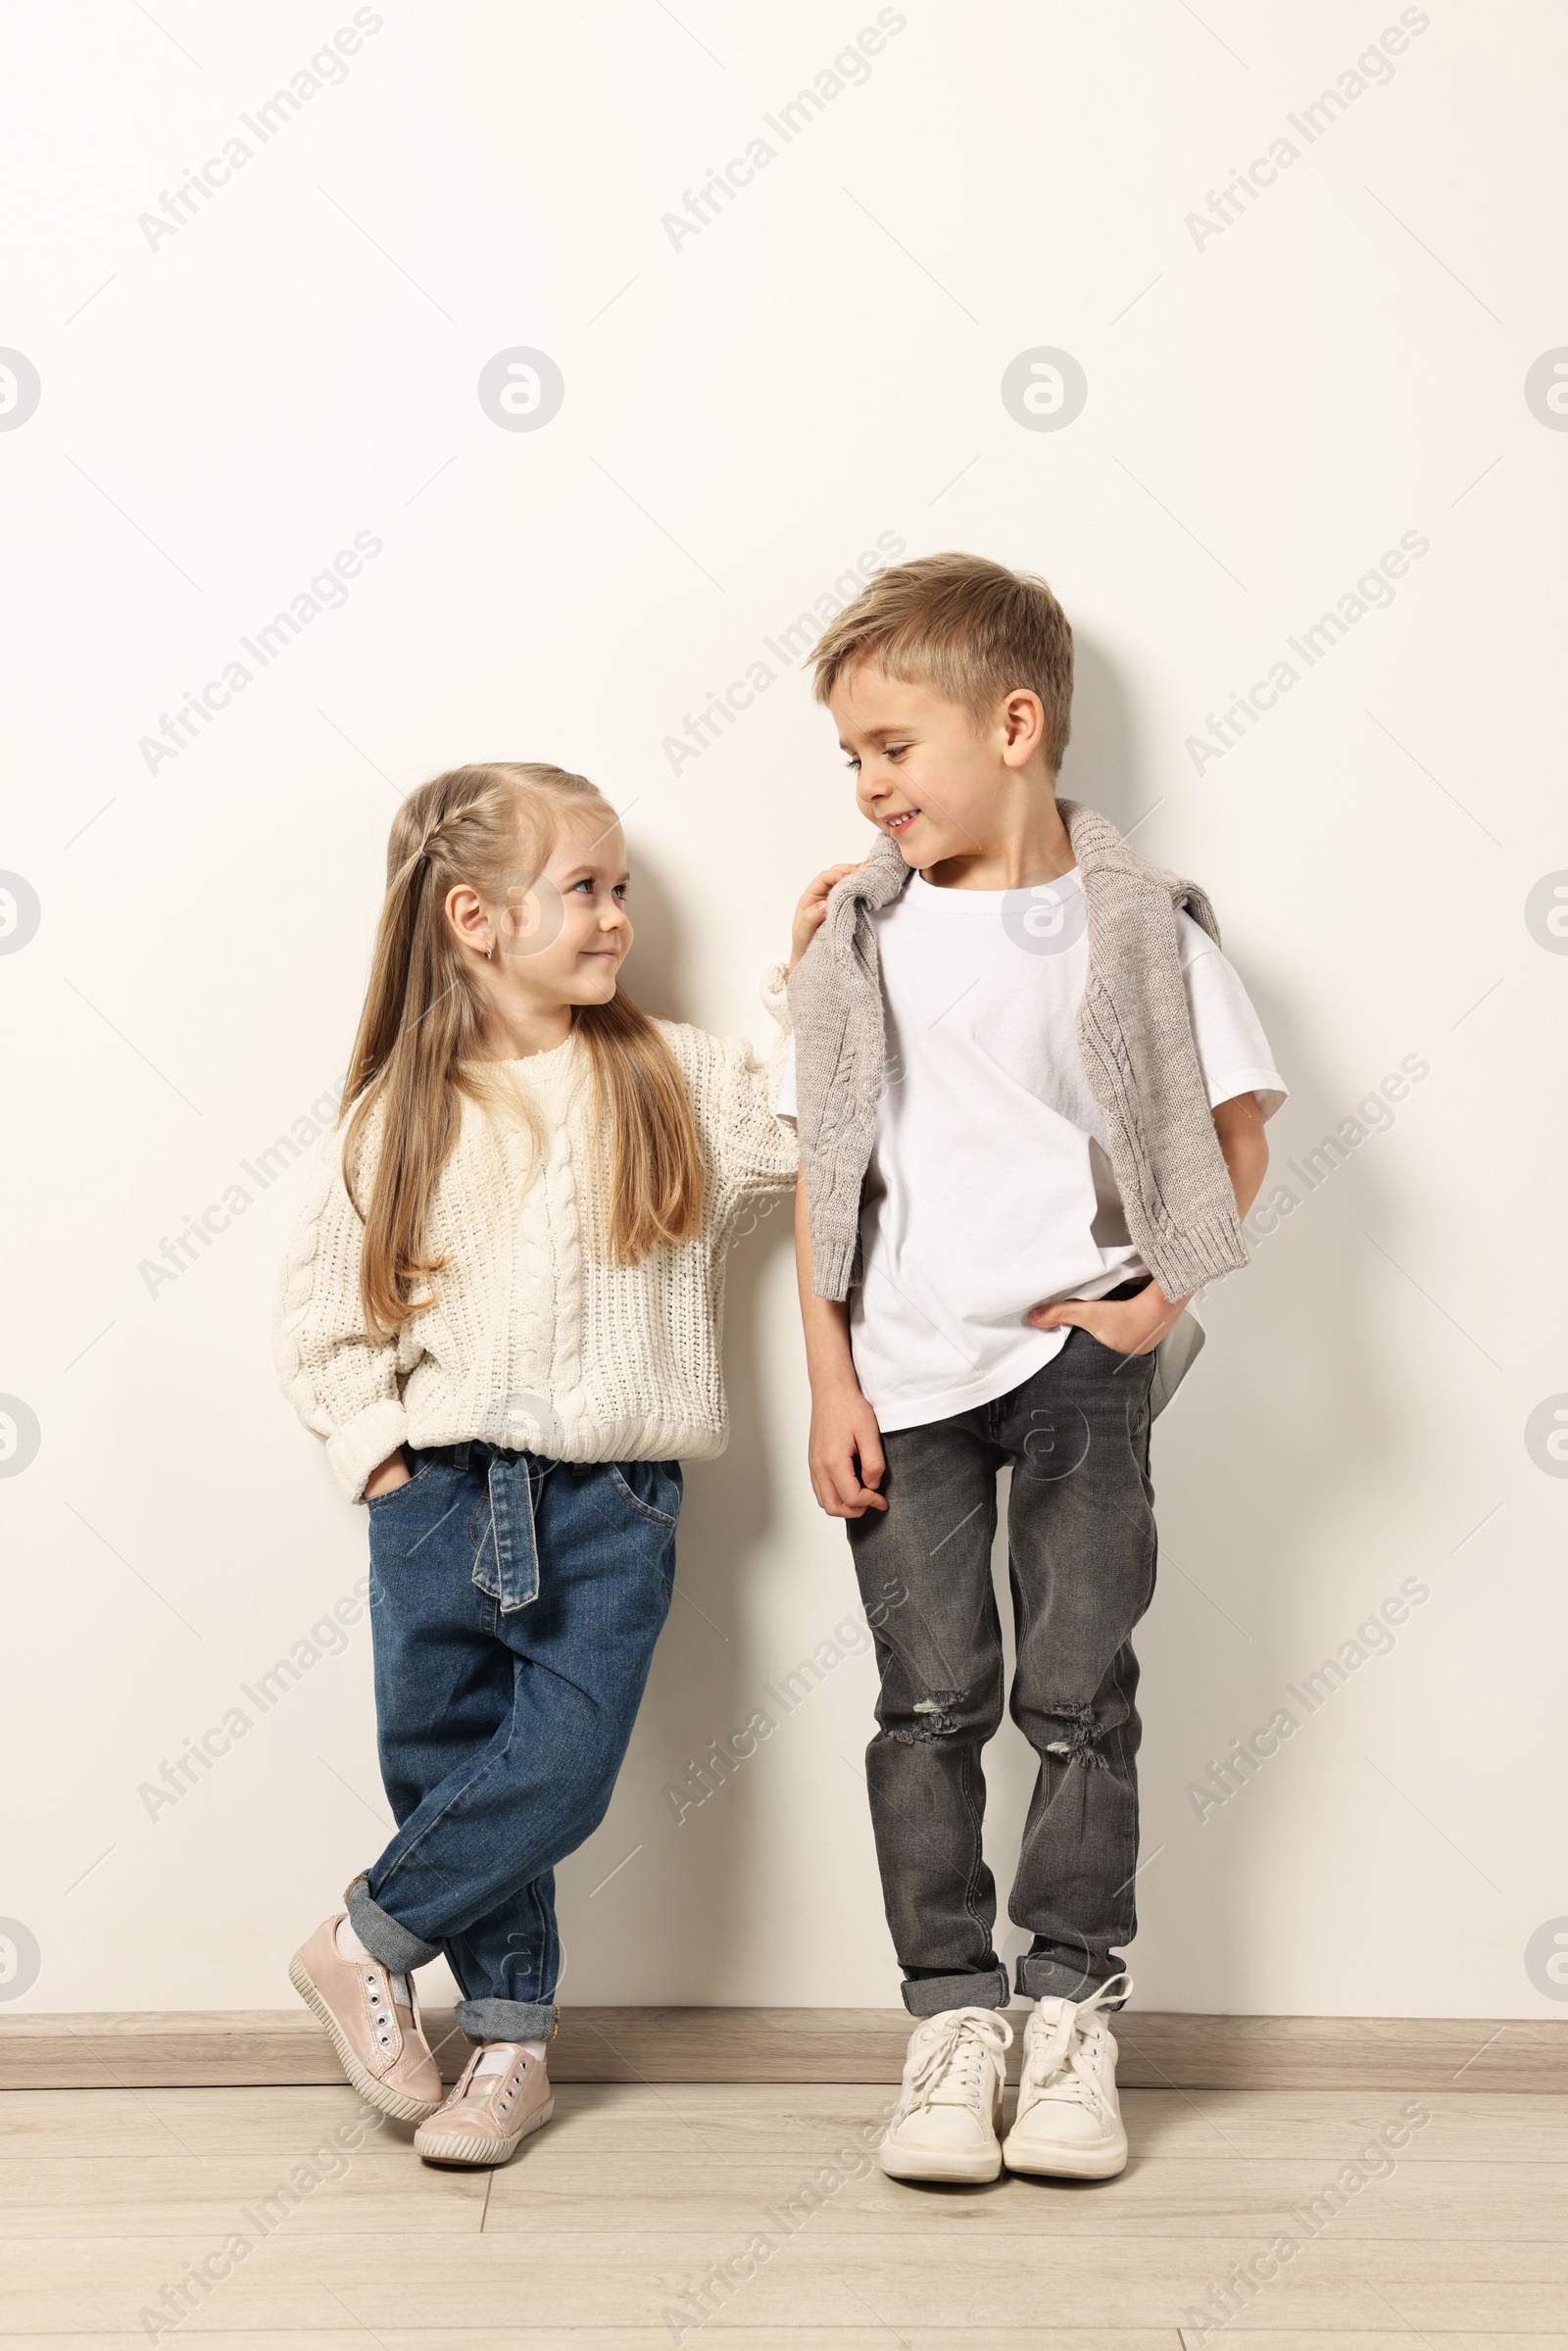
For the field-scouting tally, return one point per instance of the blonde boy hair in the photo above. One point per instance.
(972, 629)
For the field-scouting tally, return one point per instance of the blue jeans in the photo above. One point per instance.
(514, 1605)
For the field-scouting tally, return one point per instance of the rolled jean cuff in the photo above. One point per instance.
(382, 1936)
(932, 1994)
(506, 2020)
(1042, 1978)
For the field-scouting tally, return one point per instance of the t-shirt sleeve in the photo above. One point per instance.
(1233, 1052)
(784, 1106)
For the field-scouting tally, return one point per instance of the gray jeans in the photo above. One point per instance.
(1081, 1556)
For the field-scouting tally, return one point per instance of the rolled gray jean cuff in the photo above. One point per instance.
(1042, 1978)
(506, 2020)
(936, 1993)
(382, 1936)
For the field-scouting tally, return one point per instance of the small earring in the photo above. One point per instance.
(489, 951)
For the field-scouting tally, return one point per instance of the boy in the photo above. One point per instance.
(1030, 1095)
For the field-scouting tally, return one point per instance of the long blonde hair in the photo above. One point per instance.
(419, 1045)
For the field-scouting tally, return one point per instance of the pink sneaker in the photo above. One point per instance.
(379, 2041)
(500, 2095)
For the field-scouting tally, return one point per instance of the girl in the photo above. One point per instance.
(501, 1309)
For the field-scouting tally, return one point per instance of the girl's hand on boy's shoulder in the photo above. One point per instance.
(812, 908)
(1128, 1326)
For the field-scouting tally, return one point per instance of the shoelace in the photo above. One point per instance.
(948, 2069)
(1064, 2064)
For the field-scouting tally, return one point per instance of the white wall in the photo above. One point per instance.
(1270, 407)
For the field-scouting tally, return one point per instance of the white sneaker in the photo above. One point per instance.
(1069, 2125)
(946, 2123)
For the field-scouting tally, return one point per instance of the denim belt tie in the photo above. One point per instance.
(506, 1563)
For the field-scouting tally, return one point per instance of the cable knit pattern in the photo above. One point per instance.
(532, 1340)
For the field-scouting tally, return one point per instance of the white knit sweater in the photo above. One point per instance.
(532, 1340)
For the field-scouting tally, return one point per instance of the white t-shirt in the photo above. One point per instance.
(989, 1189)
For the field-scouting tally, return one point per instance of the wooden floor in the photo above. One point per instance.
(627, 2201)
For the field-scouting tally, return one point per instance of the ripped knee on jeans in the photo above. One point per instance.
(1082, 1731)
(936, 1720)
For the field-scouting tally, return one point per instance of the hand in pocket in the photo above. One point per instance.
(387, 1476)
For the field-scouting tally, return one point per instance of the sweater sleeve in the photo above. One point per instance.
(755, 1149)
(750, 1149)
(775, 994)
(343, 1384)
(762, 1153)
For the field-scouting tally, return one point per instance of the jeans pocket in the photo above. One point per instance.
(393, 1493)
(1143, 1366)
(653, 1488)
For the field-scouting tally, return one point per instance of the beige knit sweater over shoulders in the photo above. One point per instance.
(532, 1338)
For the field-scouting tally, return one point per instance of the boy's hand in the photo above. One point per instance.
(1128, 1326)
(845, 1451)
(812, 908)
